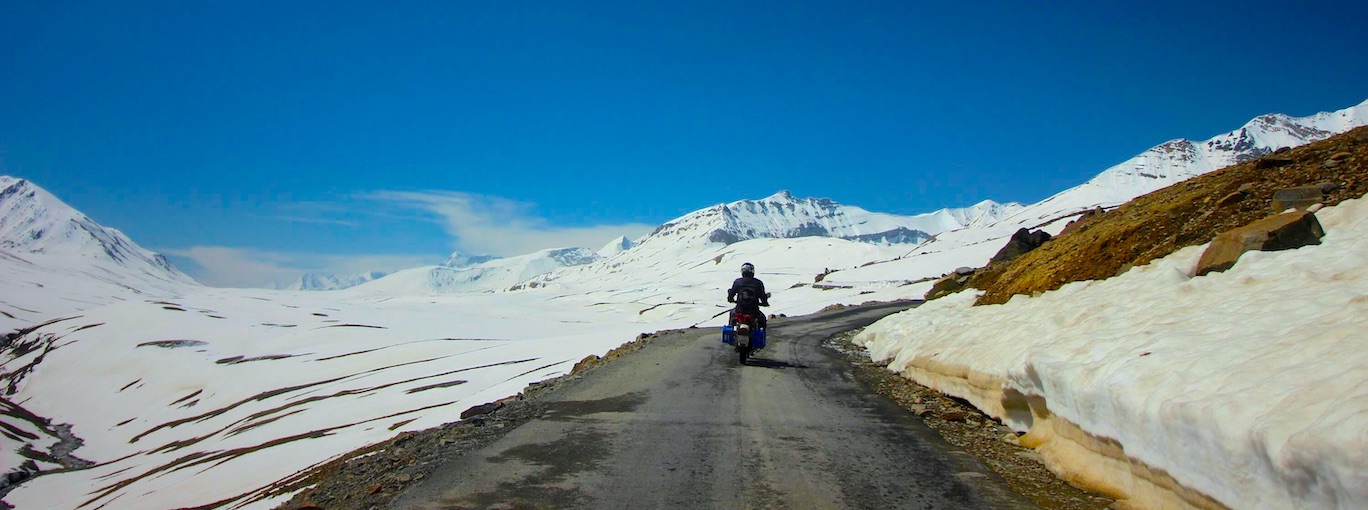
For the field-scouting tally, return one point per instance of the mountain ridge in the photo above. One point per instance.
(1179, 159)
(783, 216)
(616, 246)
(491, 275)
(778, 216)
(458, 259)
(36, 222)
(56, 260)
(319, 281)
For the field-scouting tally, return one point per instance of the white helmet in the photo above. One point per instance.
(747, 269)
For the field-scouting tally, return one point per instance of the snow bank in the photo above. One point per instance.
(1246, 389)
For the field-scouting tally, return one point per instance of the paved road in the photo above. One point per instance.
(680, 424)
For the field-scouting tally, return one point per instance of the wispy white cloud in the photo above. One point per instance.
(500, 226)
(316, 221)
(315, 212)
(221, 266)
(477, 224)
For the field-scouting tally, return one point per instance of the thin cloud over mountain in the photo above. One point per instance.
(490, 224)
(223, 266)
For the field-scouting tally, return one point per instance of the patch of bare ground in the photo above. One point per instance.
(1185, 214)
(964, 426)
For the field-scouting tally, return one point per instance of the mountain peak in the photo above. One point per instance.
(34, 221)
(1177, 160)
(783, 216)
(616, 246)
(318, 281)
(572, 256)
(55, 253)
(458, 259)
(495, 274)
(781, 196)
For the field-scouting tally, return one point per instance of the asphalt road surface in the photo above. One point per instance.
(681, 424)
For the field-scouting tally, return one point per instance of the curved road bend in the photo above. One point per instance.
(680, 424)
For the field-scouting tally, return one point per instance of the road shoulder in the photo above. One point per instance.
(962, 425)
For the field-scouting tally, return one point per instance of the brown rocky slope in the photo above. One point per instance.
(1185, 214)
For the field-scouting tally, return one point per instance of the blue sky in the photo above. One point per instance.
(254, 141)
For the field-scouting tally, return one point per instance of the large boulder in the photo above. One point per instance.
(1267, 162)
(950, 284)
(1082, 220)
(1280, 232)
(1022, 241)
(1300, 197)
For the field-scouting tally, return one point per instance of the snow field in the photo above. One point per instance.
(1249, 387)
(179, 424)
(319, 374)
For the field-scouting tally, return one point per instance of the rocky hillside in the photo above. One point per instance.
(1188, 213)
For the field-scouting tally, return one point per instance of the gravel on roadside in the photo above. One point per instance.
(962, 425)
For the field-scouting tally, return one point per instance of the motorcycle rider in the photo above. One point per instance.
(748, 292)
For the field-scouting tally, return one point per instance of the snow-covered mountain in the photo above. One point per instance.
(1156, 168)
(458, 259)
(616, 246)
(680, 242)
(318, 281)
(981, 214)
(34, 222)
(782, 216)
(55, 260)
(678, 247)
(321, 281)
(491, 275)
(1178, 160)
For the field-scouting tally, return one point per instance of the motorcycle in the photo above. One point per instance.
(743, 332)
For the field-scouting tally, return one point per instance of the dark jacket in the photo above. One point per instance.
(748, 285)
